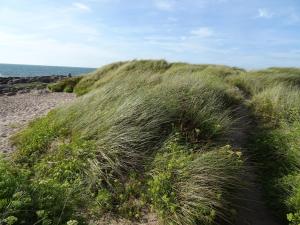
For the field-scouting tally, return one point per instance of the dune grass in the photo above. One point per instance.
(152, 136)
(278, 104)
(100, 153)
(256, 81)
(193, 186)
(274, 97)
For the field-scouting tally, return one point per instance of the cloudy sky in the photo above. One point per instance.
(90, 33)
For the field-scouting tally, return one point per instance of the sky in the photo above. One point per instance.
(90, 33)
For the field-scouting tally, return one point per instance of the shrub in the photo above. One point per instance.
(64, 85)
(292, 183)
(36, 139)
(188, 187)
(15, 196)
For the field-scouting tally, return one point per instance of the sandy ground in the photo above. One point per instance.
(17, 110)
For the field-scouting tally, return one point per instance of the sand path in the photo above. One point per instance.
(17, 110)
(251, 208)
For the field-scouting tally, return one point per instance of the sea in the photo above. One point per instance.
(18, 70)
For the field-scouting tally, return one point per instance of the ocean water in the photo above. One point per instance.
(10, 70)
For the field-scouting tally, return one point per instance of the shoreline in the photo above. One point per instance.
(16, 84)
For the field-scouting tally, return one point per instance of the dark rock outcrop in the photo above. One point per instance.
(13, 85)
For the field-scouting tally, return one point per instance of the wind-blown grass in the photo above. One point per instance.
(274, 97)
(79, 156)
(153, 136)
(256, 81)
(190, 187)
(278, 104)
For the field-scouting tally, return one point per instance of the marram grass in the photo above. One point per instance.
(144, 136)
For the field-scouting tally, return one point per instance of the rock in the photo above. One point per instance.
(42, 79)
(10, 93)
(12, 85)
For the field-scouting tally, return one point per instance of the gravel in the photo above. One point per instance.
(17, 110)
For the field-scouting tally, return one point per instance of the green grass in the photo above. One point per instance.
(152, 136)
(256, 81)
(193, 186)
(274, 97)
(64, 85)
(277, 104)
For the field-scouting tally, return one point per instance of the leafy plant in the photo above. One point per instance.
(188, 187)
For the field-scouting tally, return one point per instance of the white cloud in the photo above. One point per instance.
(50, 23)
(81, 6)
(33, 49)
(165, 5)
(202, 32)
(265, 13)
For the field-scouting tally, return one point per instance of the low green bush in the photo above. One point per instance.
(53, 190)
(41, 132)
(65, 85)
(190, 186)
(15, 199)
(292, 183)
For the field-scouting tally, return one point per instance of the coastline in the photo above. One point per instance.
(13, 85)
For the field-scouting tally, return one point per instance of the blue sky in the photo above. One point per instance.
(244, 33)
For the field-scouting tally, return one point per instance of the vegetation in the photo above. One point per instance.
(181, 178)
(274, 98)
(151, 136)
(64, 85)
